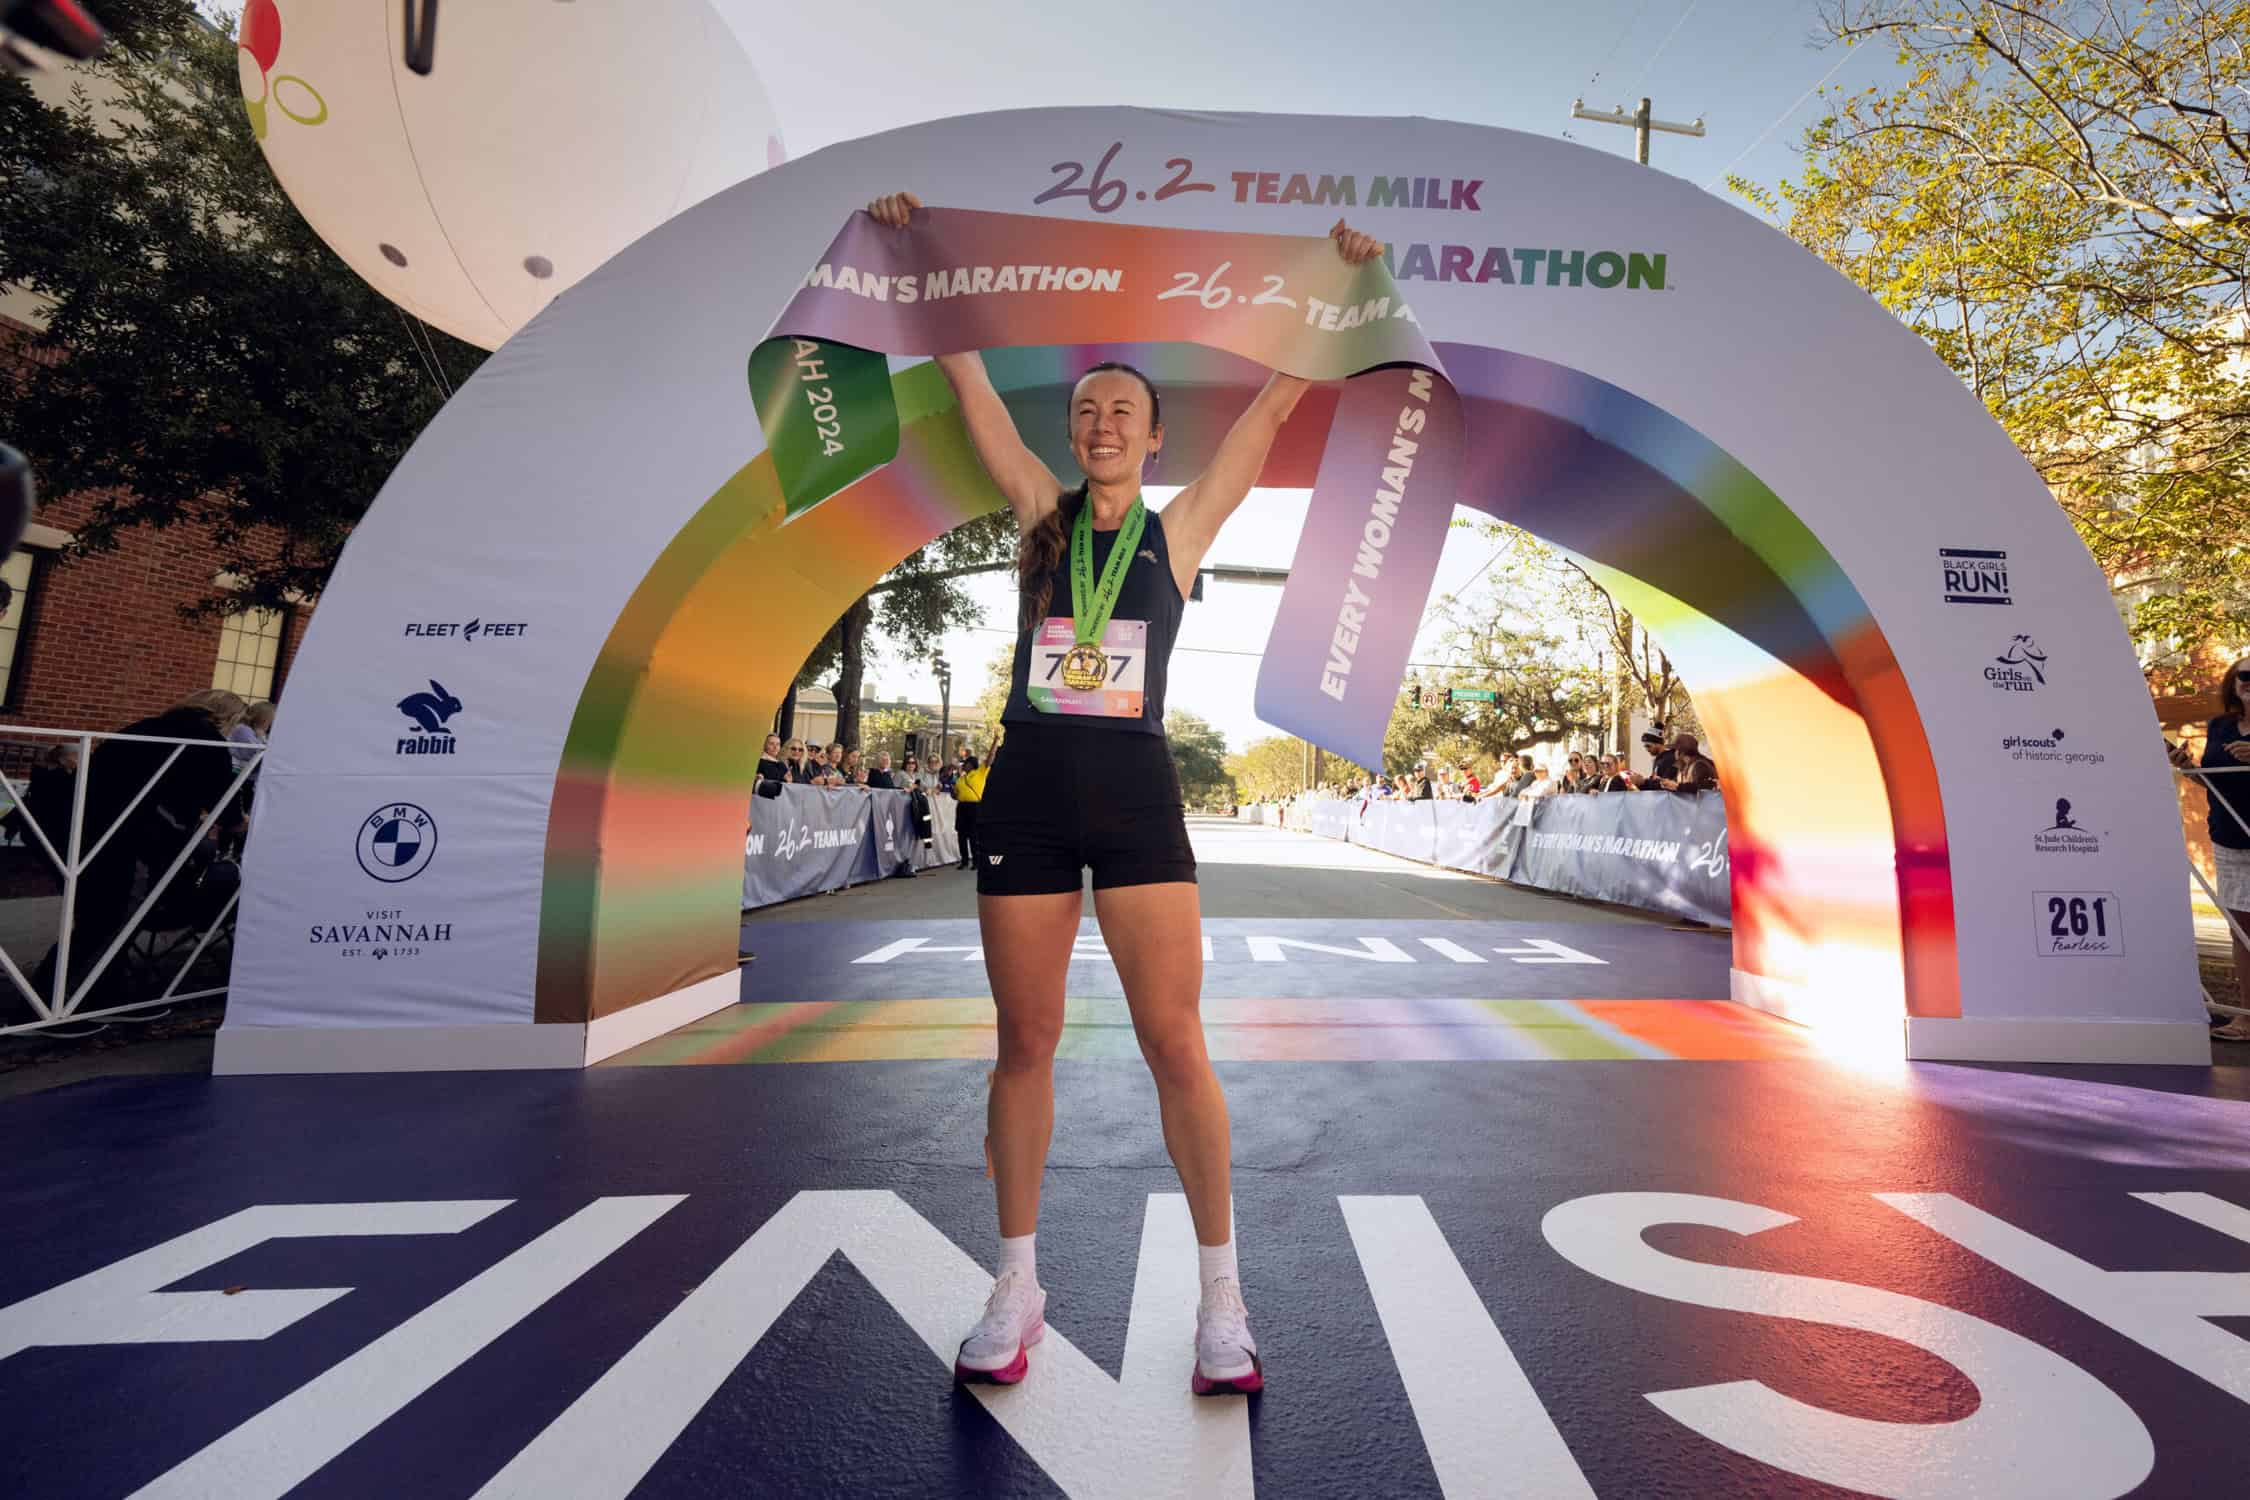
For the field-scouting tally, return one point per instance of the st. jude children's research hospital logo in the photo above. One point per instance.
(427, 715)
(396, 842)
(2064, 835)
(2022, 668)
(1975, 575)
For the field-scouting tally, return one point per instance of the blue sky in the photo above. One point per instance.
(849, 68)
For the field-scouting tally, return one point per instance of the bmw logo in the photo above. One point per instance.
(396, 841)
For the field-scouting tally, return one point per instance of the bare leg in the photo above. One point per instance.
(2241, 970)
(1027, 956)
(1155, 937)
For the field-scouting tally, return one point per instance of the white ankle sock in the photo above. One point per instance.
(1217, 1261)
(1017, 1255)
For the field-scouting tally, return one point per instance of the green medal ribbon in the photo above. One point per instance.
(1087, 666)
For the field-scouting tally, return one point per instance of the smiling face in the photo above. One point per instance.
(1111, 434)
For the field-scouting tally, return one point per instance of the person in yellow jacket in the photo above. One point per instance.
(968, 791)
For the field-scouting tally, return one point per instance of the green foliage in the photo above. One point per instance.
(1277, 767)
(1200, 753)
(887, 729)
(207, 359)
(992, 700)
(2058, 200)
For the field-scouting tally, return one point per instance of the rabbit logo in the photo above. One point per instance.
(429, 712)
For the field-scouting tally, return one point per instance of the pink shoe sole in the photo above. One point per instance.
(1240, 1385)
(1011, 1372)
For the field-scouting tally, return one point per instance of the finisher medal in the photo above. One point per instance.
(1087, 667)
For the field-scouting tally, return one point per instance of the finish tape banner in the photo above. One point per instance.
(955, 280)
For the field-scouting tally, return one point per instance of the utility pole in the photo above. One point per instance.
(1642, 125)
(1640, 122)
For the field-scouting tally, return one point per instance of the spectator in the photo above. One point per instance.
(839, 774)
(853, 764)
(1613, 777)
(1521, 782)
(153, 829)
(2226, 787)
(771, 771)
(968, 791)
(913, 766)
(1574, 778)
(249, 736)
(948, 772)
(1692, 770)
(1471, 788)
(881, 778)
(1542, 785)
(1661, 759)
(797, 765)
(859, 780)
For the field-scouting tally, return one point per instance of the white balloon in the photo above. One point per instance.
(548, 135)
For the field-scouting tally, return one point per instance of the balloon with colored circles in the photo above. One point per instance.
(545, 137)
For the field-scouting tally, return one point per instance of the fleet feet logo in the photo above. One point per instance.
(465, 630)
(2066, 835)
(396, 842)
(2022, 668)
(257, 49)
(428, 713)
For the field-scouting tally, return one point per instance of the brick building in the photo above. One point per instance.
(96, 642)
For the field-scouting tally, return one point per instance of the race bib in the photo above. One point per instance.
(1124, 670)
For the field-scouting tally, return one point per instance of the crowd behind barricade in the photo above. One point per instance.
(803, 763)
(1677, 764)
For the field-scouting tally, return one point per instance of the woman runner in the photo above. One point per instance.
(1088, 781)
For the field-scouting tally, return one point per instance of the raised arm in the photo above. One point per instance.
(1194, 517)
(1028, 485)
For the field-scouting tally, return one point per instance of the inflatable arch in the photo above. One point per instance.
(1905, 659)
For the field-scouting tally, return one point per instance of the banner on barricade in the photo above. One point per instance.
(805, 840)
(1661, 851)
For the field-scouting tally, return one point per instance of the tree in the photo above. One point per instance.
(1278, 766)
(992, 701)
(206, 358)
(2058, 200)
(887, 729)
(1200, 753)
(911, 609)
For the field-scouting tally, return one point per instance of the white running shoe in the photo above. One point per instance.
(996, 1350)
(1226, 1357)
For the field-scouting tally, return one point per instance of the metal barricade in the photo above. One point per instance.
(2205, 776)
(71, 981)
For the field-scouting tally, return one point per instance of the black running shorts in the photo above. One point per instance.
(1061, 799)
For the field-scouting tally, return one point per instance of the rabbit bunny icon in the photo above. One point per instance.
(430, 710)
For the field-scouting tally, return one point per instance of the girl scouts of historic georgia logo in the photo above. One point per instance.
(396, 842)
(258, 48)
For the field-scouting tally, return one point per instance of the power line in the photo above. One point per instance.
(1689, 10)
(1615, 42)
(1720, 176)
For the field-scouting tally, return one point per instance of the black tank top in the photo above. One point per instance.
(1149, 593)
